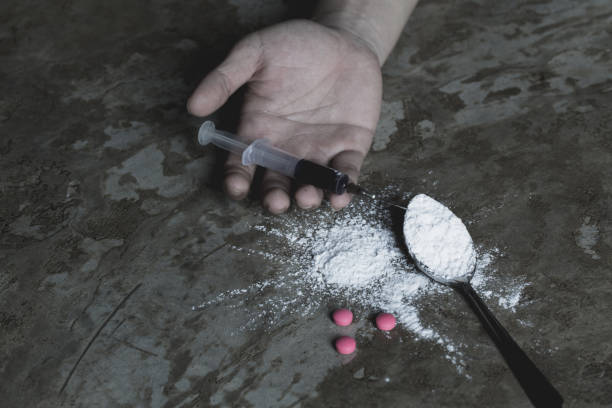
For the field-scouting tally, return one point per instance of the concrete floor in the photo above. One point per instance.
(502, 110)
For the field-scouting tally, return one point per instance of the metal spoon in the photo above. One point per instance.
(537, 387)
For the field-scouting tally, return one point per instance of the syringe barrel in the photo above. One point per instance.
(262, 153)
(223, 140)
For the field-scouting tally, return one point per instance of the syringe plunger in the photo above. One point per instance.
(223, 140)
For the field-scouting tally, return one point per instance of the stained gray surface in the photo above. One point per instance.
(502, 110)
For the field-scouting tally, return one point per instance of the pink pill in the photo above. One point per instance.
(342, 317)
(345, 345)
(385, 321)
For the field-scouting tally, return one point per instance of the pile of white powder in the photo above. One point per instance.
(353, 254)
(351, 258)
(437, 239)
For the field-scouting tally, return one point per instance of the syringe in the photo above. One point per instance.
(262, 153)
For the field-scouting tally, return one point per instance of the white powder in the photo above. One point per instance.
(353, 254)
(350, 258)
(437, 239)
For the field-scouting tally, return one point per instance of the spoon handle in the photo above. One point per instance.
(537, 387)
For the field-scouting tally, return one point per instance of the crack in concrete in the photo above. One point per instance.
(95, 336)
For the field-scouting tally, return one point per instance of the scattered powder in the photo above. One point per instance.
(351, 258)
(438, 240)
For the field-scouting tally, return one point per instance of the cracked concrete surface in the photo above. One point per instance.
(113, 225)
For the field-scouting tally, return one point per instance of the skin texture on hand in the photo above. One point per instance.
(312, 90)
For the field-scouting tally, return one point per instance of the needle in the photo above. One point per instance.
(355, 189)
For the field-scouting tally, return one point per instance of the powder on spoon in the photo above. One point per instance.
(437, 239)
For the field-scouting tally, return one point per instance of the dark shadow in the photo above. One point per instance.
(372, 317)
(215, 177)
(255, 193)
(330, 315)
(397, 226)
(299, 8)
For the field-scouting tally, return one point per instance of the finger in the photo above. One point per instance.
(348, 162)
(308, 197)
(214, 90)
(237, 177)
(275, 191)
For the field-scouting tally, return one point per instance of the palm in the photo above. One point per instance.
(316, 93)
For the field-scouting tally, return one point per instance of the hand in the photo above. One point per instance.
(313, 91)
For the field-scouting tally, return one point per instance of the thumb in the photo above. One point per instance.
(239, 66)
(348, 162)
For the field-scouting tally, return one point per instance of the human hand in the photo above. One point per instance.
(313, 91)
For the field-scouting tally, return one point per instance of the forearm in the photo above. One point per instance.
(377, 23)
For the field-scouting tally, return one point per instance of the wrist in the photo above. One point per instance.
(355, 26)
(376, 25)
